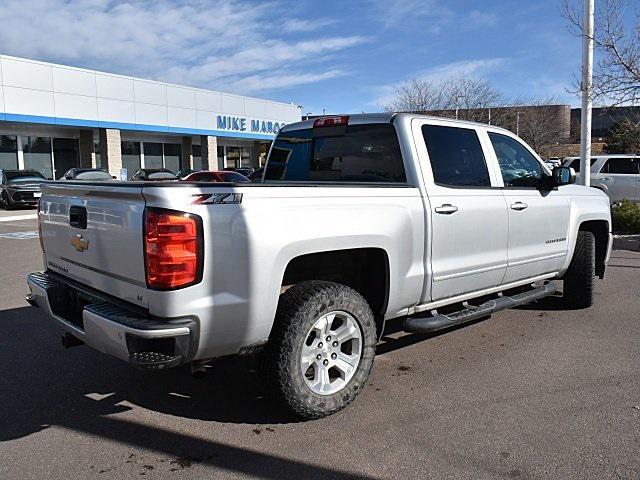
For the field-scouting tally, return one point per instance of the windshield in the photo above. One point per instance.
(161, 176)
(13, 177)
(93, 175)
(234, 177)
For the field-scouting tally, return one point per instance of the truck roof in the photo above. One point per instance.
(386, 117)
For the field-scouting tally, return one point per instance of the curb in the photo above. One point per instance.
(627, 242)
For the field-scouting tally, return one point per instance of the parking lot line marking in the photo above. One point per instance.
(19, 217)
(19, 235)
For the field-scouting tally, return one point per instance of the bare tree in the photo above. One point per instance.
(616, 76)
(539, 122)
(466, 95)
(416, 96)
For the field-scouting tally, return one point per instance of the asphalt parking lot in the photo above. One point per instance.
(536, 392)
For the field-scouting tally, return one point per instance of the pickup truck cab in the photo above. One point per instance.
(358, 221)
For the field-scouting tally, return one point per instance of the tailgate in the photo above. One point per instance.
(93, 233)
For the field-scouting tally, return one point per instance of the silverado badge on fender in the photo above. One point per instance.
(79, 243)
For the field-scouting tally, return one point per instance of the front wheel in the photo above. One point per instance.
(5, 202)
(579, 281)
(321, 348)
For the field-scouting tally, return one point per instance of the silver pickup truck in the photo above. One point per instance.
(359, 221)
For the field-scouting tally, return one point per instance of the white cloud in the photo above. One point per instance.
(299, 25)
(384, 93)
(206, 43)
(398, 13)
(482, 19)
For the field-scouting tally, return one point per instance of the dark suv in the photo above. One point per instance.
(20, 188)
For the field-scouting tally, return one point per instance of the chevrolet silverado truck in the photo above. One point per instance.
(359, 221)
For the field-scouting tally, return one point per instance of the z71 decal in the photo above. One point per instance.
(217, 198)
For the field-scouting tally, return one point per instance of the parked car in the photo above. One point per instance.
(256, 175)
(242, 171)
(616, 175)
(216, 176)
(20, 188)
(94, 174)
(184, 172)
(401, 220)
(154, 174)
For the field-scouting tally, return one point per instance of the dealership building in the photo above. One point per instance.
(55, 117)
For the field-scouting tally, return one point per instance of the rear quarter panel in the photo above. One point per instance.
(249, 245)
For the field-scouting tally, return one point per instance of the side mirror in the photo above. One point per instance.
(113, 176)
(563, 176)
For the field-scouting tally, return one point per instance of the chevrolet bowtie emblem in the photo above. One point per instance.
(79, 243)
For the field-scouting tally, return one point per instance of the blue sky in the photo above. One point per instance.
(341, 56)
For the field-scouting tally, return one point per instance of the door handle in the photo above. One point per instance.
(606, 179)
(519, 206)
(446, 209)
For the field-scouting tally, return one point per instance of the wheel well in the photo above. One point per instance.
(366, 270)
(600, 230)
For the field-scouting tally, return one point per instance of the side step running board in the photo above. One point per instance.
(433, 320)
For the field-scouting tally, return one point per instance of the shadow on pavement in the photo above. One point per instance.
(79, 389)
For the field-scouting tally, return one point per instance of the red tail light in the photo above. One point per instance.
(331, 121)
(173, 248)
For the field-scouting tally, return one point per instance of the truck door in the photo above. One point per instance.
(538, 219)
(468, 218)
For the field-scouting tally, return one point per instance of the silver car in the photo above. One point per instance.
(618, 175)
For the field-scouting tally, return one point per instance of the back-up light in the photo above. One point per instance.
(173, 248)
(331, 121)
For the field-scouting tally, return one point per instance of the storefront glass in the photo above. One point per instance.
(196, 151)
(96, 151)
(172, 152)
(152, 155)
(37, 155)
(245, 157)
(233, 157)
(8, 151)
(130, 157)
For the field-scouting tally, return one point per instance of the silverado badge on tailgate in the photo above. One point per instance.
(79, 243)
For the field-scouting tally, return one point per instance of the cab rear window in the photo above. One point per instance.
(367, 153)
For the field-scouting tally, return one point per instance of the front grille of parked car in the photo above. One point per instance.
(23, 197)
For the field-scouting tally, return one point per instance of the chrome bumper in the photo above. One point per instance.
(114, 330)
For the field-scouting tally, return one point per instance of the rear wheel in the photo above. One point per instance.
(579, 281)
(322, 347)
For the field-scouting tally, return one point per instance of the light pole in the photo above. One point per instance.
(457, 108)
(587, 92)
(518, 123)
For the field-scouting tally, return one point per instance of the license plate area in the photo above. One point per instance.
(68, 304)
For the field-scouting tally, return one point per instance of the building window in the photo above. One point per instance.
(130, 157)
(196, 151)
(8, 151)
(152, 155)
(245, 157)
(37, 155)
(233, 157)
(221, 159)
(96, 151)
(172, 153)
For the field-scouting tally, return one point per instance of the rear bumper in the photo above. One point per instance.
(111, 328)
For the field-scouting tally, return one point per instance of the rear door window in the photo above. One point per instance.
(368, 153)
(456, 156)
(621, 166)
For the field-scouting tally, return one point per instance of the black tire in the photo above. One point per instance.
(579, 281)
(298, 310)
